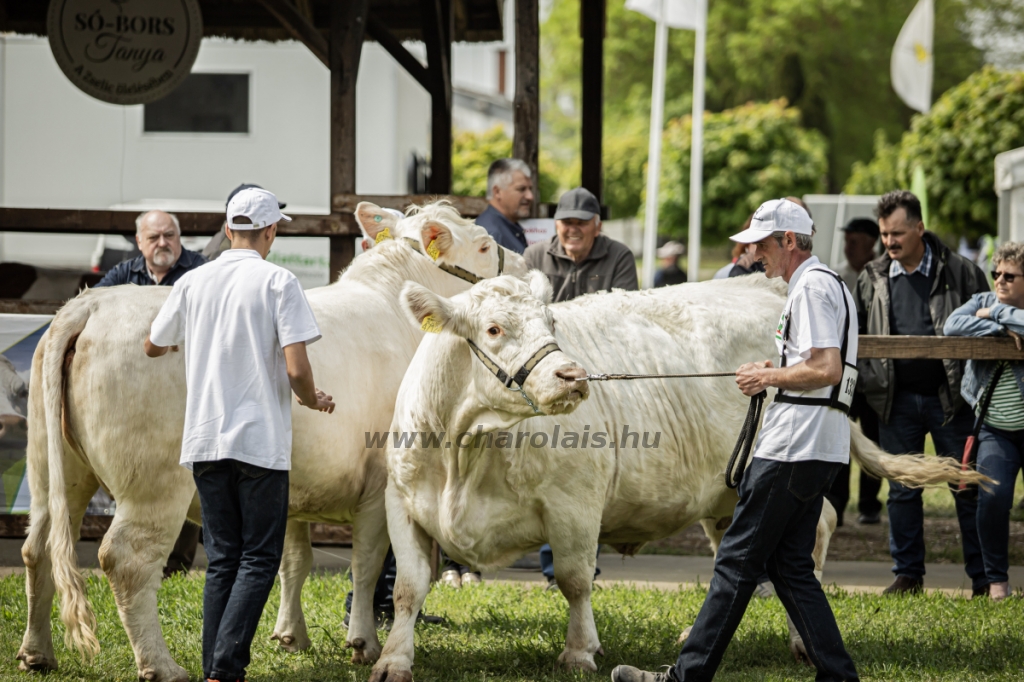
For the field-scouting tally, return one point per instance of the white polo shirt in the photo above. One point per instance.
(816, 316)
(233, 317)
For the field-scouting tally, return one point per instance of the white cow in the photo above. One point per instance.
(121, 415)
(488, 503)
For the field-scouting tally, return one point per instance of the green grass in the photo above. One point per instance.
(508, 632)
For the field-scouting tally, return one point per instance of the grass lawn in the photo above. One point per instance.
(508, 632)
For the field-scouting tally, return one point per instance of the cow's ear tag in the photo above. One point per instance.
(383, 235)
(432, 250)
(430, 324)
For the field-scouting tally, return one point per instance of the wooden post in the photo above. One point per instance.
(436, 18)
(526, 142)
(592, 25)
(348, 28)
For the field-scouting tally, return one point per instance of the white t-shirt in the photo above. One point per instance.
(233, 317)
(797, 433)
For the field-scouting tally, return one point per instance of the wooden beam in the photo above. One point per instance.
(938, 348)
(436, 16)
(592, 28)
(17, 306)
(123, 222)
(299, 27)
(526, 140)
(377, 30)
(469, 207)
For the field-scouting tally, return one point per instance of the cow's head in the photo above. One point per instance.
(500, 326)
(13, 407)
(442, 235)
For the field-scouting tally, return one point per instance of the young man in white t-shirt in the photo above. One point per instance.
(803, 444)
(244, 324)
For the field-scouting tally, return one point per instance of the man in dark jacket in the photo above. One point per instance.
(579, 259)
(163, 262)
(911, 290)
(509, 199)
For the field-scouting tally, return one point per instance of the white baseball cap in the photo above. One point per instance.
(776, 215)
(258, 205)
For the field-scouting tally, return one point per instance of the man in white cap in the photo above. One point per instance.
(803, 444)
(245, 324)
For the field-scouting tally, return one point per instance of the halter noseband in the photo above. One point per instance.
(455, 270)
(519, 378)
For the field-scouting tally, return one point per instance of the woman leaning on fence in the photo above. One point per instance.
(997, 385)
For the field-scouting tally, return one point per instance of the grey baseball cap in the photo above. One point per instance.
(577, 203)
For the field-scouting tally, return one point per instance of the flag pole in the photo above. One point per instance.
(654, 148)
(697, 147)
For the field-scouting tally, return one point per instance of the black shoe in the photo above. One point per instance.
(869, 519)
(627, 673)
(979, 592)
(905, 585)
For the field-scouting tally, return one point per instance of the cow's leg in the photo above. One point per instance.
(826, 527)
(36, 651)
(133, 555)
(411, 546)
(296, 563)
(575, 555)
(369, 547)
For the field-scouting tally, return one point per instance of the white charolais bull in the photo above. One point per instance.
(114, 417)
(489, 502)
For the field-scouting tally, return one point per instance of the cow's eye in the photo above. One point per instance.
(494, 330)
(485, 248)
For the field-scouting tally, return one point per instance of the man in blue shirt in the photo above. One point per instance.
(510, 195)
(163, 260)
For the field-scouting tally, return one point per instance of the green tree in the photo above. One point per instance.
(752, 153)
(473, 153)
(955, 144)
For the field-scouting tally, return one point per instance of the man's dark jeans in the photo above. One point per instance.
(999, 457)
(912, 417)
(774, 527)
(245, 509)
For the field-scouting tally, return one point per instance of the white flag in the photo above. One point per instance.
(688, 14)
(912, 58)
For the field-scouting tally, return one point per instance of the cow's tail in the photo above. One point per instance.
(913, 471)
(75, 611)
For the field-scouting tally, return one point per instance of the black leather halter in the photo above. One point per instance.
(462, 273)
(516, 381)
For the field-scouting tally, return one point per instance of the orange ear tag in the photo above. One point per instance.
(432, 249)
(383, 235)
(431, 325)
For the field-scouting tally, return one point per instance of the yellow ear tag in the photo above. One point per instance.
(383, 235)
(432, 249)
(430, 324)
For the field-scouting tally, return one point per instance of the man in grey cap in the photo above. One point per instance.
(579, 259)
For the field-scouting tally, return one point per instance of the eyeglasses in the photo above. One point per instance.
(1008, 277)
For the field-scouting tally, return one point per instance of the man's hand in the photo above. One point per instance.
(1016, 338)
(984, 313)
(155, 351)
(753, 377)
(323, 402)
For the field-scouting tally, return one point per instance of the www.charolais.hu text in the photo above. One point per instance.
(555, 438)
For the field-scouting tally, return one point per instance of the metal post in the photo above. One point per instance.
(654, 149)
(697, 148)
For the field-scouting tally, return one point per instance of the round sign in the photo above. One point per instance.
(125, 51)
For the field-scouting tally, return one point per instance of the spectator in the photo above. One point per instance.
(670, 272)
(510, 199)
(245, 324)
(860, 237)
(580, 260)
(163, 261)
(1001, 440)
(911, 290)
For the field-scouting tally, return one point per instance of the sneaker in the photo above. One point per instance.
(451, 578)
(979, 592)
(999, 591)
(552, 585)
(869, 519)
(627, 673)
(904, 584)
(471, 578)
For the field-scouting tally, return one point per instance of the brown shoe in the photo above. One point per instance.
(905, 585)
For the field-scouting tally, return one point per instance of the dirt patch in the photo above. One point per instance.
(854, 542)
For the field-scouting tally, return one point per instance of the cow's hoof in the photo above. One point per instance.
(577, 660)
(799, 651)
(386, 675)
(363, 652)
(175, 674)
(292, 643)
(684, 634)
(35, 663)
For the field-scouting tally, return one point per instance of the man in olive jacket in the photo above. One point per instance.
(911, 290)
(579, 259)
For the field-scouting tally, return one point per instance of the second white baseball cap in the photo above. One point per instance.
(776, 215)
(258, 205)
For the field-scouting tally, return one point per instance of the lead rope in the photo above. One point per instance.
(745, 442)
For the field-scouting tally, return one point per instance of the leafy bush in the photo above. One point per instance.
(752, 153)
(473, 153)
(956, 144)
